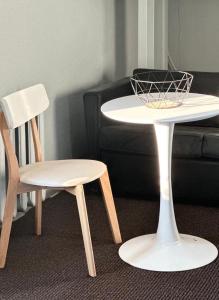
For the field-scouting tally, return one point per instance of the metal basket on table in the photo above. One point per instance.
(161, 89)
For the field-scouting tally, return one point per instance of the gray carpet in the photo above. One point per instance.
(53, 266)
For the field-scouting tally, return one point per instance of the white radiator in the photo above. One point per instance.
(23, 143)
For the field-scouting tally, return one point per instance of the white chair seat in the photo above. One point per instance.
(62, 173)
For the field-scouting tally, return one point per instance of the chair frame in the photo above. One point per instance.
(15, 187)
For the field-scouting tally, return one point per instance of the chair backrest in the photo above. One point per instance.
(24, 105)
(19, 108)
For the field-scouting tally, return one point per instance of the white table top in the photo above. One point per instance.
(130, 109)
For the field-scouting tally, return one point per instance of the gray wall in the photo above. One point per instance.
(193, 34)
(120, 38)
(69, 46)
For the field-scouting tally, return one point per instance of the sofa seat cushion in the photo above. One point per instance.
(140, 139)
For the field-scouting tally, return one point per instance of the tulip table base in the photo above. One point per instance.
(167, 250)
(189, 252)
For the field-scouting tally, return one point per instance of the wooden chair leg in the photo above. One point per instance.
(110, 207)
(38, 213)
(78, 191)
(6, 224)
(82, 209)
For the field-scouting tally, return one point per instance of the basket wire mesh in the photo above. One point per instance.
(162, 89)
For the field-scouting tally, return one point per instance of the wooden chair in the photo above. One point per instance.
(69, 175)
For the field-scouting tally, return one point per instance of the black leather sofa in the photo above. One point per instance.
(130, 150)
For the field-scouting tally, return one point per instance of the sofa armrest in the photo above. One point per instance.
(93, 99)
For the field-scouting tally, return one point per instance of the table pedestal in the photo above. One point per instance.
(167, 250)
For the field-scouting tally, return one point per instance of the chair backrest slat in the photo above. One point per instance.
(24, 105)
(36, 140)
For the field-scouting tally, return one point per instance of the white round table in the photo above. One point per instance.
(167, 250)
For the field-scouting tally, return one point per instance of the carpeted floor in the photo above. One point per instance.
(53, 266)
